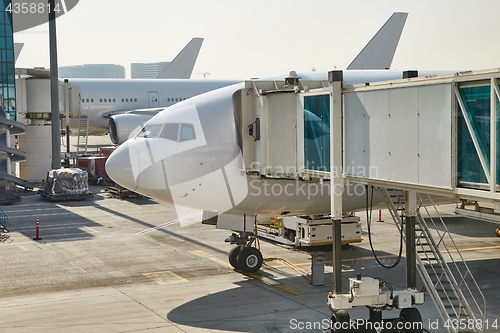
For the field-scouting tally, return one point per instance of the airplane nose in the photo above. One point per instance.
(119, 166)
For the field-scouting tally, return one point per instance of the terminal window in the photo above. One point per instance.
(7, 79)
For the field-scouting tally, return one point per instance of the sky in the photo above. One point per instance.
(261, 38)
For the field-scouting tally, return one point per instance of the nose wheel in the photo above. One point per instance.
(233, 255)
(249, 260)
(243, 256)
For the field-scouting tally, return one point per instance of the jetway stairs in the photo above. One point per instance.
(447, 277)
(3, 222)
(83, 134)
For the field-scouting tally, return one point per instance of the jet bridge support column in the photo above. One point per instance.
(363, 290)
(411, 251)
(335, 78)
(339, 316)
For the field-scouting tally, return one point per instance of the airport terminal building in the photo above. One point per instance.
(100, 71)
(7, 77)
(147, 70)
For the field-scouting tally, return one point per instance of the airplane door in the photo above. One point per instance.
(153, 99)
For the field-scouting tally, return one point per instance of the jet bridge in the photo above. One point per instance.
(431, 134)
(416, 139)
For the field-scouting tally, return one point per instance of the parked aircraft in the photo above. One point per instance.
(118, 106)
(182, 65)
(107, 101)
(190, 155)
(121, 102)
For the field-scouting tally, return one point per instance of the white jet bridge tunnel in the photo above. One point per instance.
(417, 139)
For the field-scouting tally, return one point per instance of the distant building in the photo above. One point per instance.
(108, 71)
(147, 70)
(7, 76)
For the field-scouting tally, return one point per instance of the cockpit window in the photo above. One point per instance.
(178, 132)
(170, 132)
(150, 131)
(187, 132)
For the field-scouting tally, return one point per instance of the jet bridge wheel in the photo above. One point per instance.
(233, 256)
(411, 315)
(340, 322)
(249, 259)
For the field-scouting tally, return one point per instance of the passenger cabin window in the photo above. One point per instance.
(150, 131)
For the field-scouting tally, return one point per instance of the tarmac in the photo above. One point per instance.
(107, 264)
(110, 264)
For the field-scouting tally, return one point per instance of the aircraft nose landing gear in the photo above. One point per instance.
(243, 256)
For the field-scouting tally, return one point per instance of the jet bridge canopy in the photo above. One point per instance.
(431, 134)
(434, 133)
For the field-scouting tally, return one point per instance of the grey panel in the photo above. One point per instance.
(377, 106)
(403, 147)
(356, 135)
(434, 135)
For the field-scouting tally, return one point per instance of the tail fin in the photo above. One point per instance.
(379, 51)
(17, 50)
(182, 65)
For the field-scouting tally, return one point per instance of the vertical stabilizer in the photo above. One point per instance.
(379, 51)
(182, 65)
(17, 50)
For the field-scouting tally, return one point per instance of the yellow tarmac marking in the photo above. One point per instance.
(290, 289)
(478, 248)
(204, 254)
(222, 262)
(276, 284)
(165, 277)
(265, 280)
(200, 253)
(387, 256)
(343, 260)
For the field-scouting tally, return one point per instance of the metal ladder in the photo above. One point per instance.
(449, 281)
(83, 126)
(3, 221)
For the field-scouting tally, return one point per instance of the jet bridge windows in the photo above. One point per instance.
(474, 140)
(317, 132)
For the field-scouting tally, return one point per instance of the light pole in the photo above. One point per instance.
(54, 90)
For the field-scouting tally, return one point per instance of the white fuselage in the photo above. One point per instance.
(101, 98)
(188, 155)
